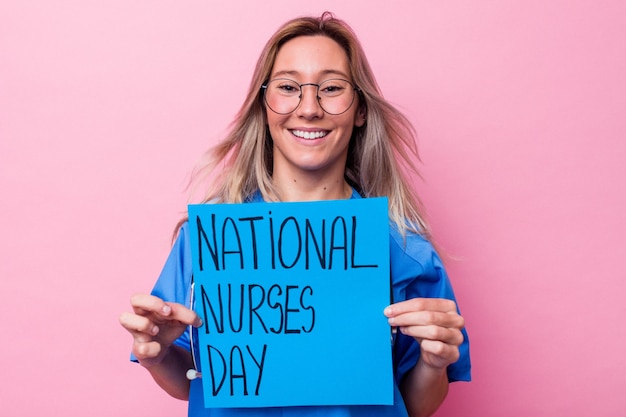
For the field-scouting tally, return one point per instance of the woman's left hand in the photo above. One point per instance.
(434, 323)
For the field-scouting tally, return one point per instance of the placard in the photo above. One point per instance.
(291, 296)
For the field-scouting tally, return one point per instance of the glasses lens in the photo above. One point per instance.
(282, 95)
(336, 96)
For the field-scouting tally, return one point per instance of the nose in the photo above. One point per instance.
(309, 106)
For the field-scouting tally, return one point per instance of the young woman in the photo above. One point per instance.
(314, 126)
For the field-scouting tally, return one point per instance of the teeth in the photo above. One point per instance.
(309, 135)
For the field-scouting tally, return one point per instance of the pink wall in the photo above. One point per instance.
(520, 108)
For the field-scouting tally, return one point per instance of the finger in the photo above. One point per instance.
(184, 315)
(438, 353)
(136, 324)
(146, 350)
(427, 318)
(445, 335)
(145, 304)
(420, 304)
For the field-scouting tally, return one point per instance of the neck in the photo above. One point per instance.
(310, 187)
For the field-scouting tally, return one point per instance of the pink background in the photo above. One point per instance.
(520, 108)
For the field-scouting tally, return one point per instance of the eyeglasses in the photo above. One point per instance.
(335, 96)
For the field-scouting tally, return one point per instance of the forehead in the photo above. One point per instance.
(311, 56)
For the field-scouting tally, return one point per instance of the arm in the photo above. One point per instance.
(170, 372)
(435, 324)
(155, 325)
(424, 389)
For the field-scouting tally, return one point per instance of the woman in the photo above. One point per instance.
(315, 126)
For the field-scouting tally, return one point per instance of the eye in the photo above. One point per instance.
(286, 87)
(332, 88)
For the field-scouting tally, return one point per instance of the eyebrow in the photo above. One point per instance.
(324, 72)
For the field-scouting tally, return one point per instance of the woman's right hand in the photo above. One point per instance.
(155, 324)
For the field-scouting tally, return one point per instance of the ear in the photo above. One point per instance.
(360, 117)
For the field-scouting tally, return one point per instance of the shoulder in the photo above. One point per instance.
(175, 278)
(416, 268)
(411, 247)
(182, 240)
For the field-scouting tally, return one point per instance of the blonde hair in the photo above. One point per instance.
(380, 153)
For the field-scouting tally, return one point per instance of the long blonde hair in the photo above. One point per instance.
(380, 154)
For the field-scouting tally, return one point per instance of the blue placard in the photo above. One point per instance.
(291, 296)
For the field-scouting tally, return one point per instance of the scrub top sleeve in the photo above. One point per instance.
(441, 287)
(422, 275)
(174, 283)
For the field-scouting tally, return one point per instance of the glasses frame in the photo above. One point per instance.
(355, 89)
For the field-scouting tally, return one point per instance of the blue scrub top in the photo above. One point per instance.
(416, 271)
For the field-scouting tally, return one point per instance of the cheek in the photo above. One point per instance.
(350, 123)
(272, 119)
(272, 125)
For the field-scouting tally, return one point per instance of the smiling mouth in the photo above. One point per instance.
(309, 135)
